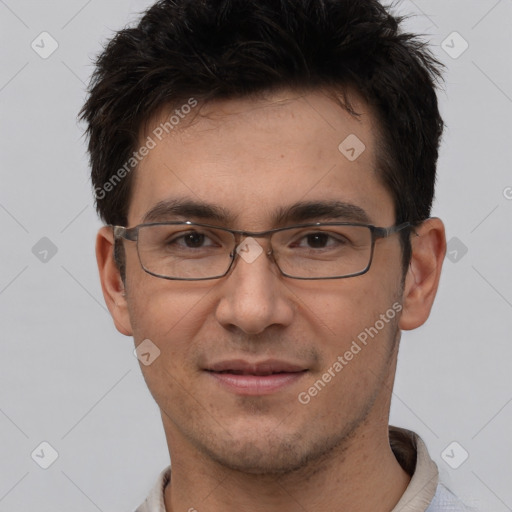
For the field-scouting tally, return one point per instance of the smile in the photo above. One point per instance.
(245, 378)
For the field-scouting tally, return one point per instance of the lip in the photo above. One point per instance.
(255, 378)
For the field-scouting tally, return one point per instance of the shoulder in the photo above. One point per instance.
(155, 502)
(445, 501)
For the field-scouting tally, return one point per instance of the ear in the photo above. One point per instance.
(111, 282)
(422, 279)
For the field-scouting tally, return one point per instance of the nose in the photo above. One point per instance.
(253, 295)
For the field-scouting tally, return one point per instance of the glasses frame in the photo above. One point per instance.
(132, 235)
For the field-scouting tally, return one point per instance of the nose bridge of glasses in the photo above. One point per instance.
(256, 242)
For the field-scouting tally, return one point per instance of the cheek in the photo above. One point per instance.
(356, 338)
(157, 306)
(170, 314)
(340, 309)
(171, 318)
(354, 325)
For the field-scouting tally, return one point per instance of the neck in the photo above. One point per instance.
(362, 475)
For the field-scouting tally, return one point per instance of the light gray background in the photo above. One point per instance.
(68, 378)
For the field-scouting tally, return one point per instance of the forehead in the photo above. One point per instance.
(319, 111)
(252, 157)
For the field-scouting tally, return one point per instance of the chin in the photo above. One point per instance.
(271, 451)
(261, 456)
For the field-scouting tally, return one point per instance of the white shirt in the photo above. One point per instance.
(423, 494)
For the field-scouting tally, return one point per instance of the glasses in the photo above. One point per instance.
(190, 251)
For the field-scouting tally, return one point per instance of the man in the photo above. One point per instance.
(266, 171)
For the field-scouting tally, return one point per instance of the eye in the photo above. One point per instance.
(319, 240)
(191, 240)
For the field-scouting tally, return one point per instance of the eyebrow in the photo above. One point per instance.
(303, 211)
(170, 209)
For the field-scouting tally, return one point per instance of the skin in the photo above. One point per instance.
(267, 453)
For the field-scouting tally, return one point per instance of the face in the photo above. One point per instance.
(218, 338)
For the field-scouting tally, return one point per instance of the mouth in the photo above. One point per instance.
(262, 378)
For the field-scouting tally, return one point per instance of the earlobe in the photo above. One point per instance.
(423, 274)
(111, 282)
